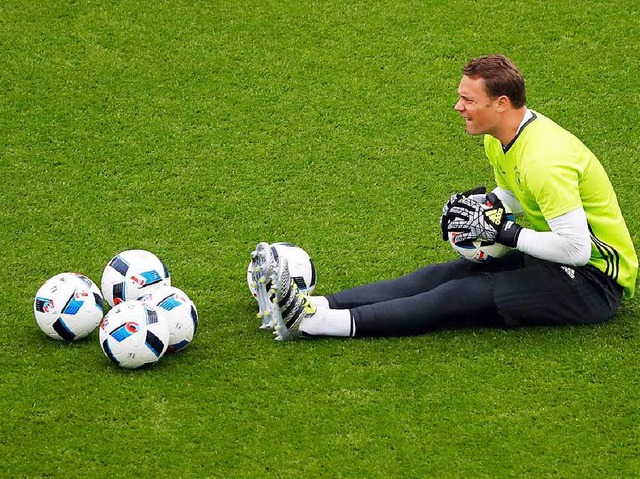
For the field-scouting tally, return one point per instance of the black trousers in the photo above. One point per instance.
(515, 290)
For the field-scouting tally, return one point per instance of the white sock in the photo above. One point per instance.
(329, 322)
(319, 302)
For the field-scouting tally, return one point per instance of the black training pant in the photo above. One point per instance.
(515, 290)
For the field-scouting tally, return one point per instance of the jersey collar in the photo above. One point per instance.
(529, 116)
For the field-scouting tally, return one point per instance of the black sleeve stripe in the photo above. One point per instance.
(602, 253)
(610, 254)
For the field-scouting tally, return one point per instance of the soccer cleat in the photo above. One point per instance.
(292, 305)
(263, 268)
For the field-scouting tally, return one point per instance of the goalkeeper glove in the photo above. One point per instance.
(488, 222)
(477, 193)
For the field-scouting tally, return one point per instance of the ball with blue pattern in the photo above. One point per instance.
(68, 306)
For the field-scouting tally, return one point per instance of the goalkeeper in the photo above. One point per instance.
(571, 267)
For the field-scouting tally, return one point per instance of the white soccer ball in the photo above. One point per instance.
(132, 273)
(133, 334)
(481, 251)
(180, 311)
(68, 306)
(301, 267)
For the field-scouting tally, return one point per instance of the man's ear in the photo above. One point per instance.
(503, 103)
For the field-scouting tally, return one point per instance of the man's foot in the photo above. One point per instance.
(263, 269)
(291, 305)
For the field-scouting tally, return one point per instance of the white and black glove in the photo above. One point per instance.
(473, 220)
(478, 194)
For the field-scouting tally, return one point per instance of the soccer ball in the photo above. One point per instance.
(68, 306)
(134, 334)
(301, 267)
(481, 251)
(180, 311)
(132, 273)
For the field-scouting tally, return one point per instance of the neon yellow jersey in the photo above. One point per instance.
(551, 173)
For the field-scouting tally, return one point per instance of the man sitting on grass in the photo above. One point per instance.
(573, 266)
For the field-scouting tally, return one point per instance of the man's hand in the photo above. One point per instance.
(477, 221)
(478, 193)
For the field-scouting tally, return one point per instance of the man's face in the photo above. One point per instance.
(476, 107)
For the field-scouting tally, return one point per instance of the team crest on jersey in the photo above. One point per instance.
(518, 178)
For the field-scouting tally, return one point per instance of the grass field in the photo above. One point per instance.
(195, 129)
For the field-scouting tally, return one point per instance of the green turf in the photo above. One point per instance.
(195, 129)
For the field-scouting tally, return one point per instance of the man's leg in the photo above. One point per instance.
(455, 303)
(539, 293)
(550, 294)
(521, 292)
(458, 292)
(420, 281)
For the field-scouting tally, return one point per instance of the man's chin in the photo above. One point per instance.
(473, 131)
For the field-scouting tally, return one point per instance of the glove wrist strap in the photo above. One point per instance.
(509, 234)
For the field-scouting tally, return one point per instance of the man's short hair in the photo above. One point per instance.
(501, 77)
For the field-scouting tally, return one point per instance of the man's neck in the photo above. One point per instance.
(512, 124)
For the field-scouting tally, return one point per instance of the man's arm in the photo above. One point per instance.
(568, 242)
(509, 199)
